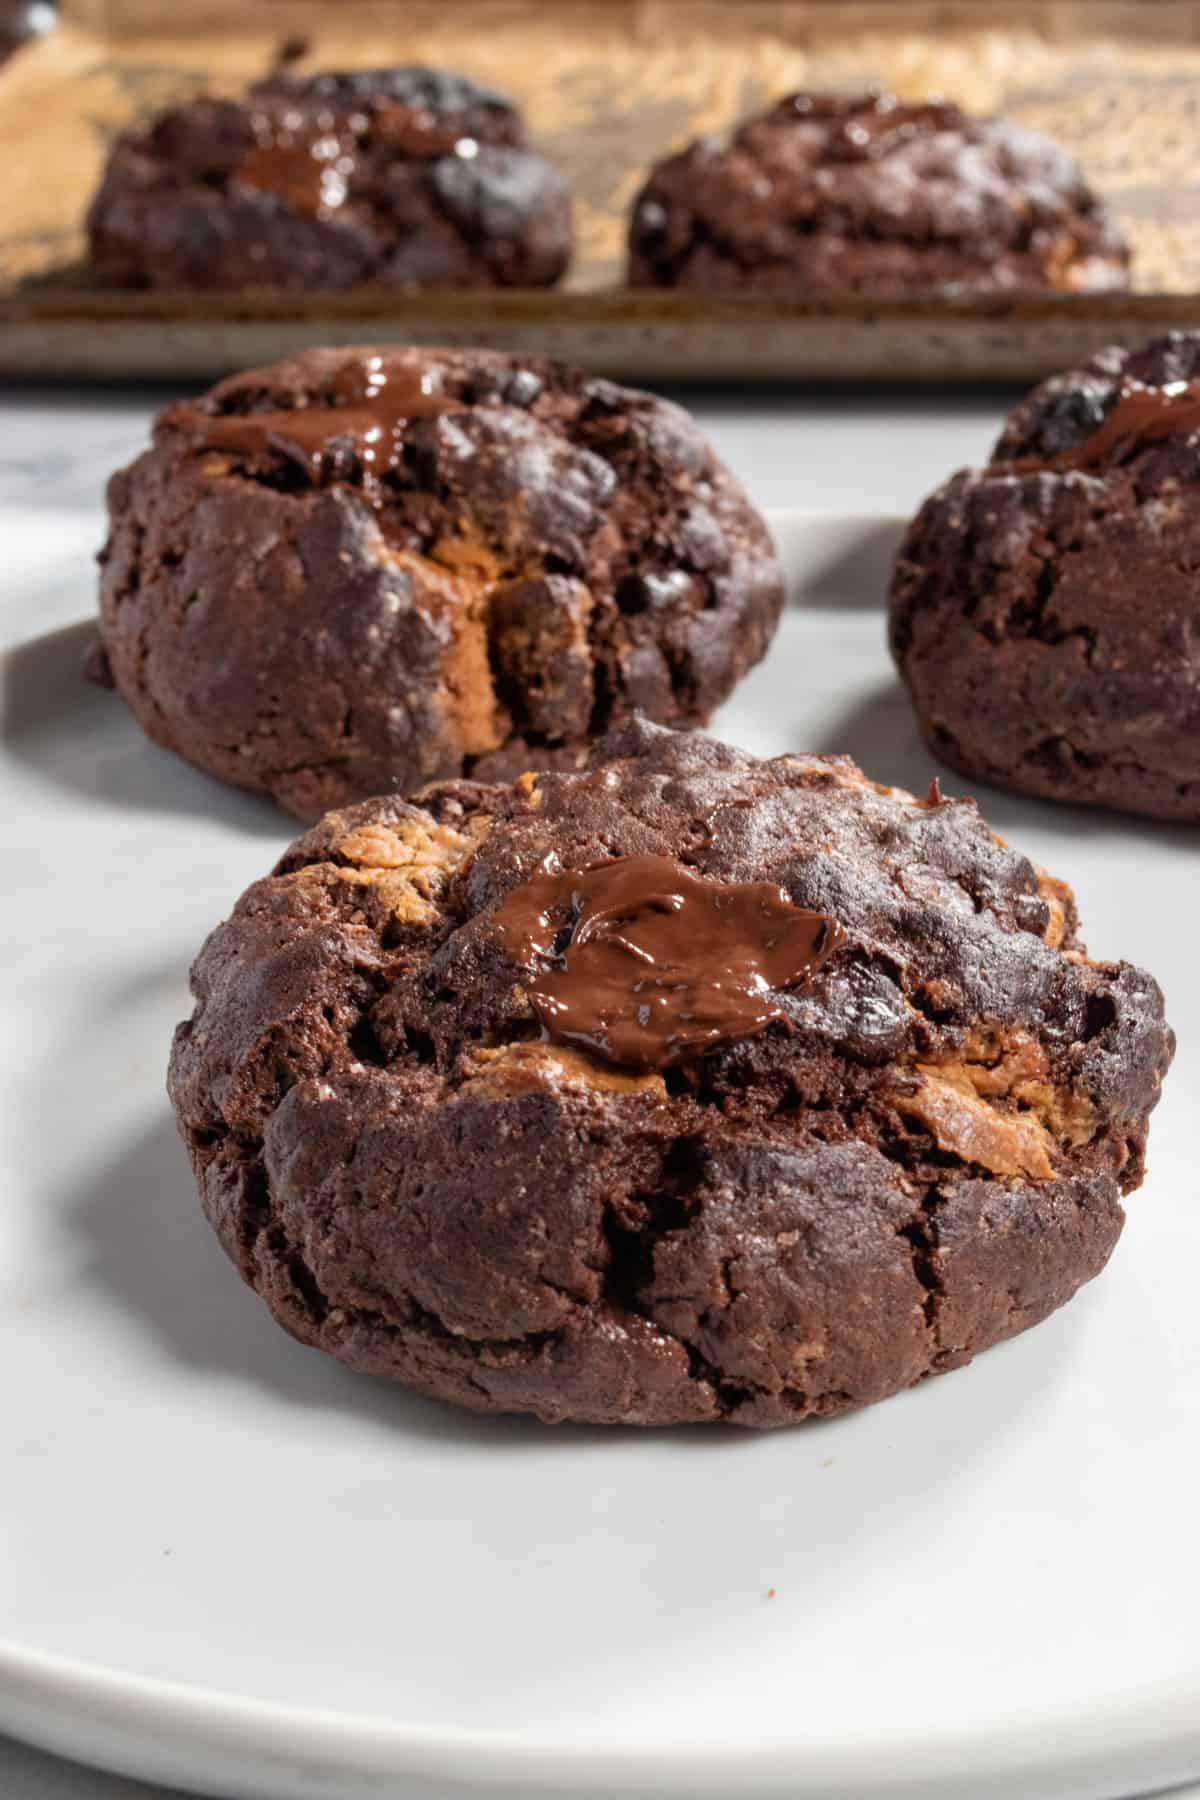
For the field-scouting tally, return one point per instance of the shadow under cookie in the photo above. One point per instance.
(151, 1253)
(80, 737)
(881, 733)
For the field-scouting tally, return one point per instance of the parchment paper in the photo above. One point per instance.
(608, 85)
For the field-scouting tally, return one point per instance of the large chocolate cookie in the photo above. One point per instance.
(1044, 610)
(823, 194)
(396, 176)
(687, 1087)
(360, 571)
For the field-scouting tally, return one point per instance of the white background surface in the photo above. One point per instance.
(815, 450)
(808, 448)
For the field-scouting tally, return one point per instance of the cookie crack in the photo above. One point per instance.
(629, 1271)
(921, 1236)
(434, 1326)
(322, 1309)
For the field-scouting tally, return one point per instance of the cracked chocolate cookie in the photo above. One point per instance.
(395, 176)
(824, 194)
(684, 1087)
(1043, 609)
(363, 570)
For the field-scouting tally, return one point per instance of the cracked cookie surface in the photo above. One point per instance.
(865, 194)
(1043, 609)
(359, 571)
(921, 1152)
(398, 177)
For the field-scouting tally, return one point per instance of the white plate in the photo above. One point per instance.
(228, 1562)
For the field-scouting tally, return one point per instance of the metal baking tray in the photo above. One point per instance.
(608, 86)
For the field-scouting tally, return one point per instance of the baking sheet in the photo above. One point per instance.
(608, 86)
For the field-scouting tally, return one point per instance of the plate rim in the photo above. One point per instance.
(61, 1703)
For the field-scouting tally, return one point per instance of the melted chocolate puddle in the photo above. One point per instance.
(367, 412)
(1142, 416)
(644, 963)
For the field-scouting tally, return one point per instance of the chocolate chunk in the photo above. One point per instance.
(660, 964)
(368, 404)
(1139, 417)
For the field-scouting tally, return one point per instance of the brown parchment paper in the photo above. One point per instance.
(608, 85)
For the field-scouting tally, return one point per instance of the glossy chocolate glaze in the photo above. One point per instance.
(307, 169)
(644, 963)
(309, 135)
(367, 411)
(1142, 416)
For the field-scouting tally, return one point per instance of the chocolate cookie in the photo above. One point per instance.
(362, 570)
(395, 176)
(686, 1087)
(1043, 610)
(824, 194)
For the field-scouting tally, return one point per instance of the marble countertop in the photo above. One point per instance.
(817, 449)
(828, 449)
